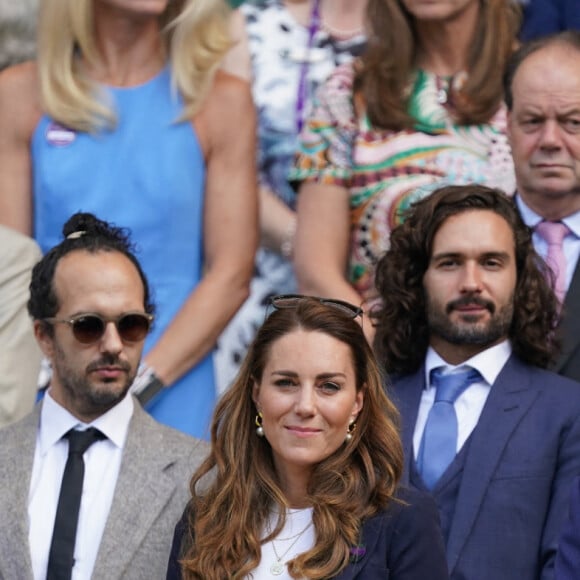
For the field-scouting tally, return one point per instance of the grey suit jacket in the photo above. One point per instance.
(150, 495)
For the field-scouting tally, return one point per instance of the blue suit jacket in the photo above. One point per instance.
(401, 543)
(542, 17)
(522, 458)
(568, 558)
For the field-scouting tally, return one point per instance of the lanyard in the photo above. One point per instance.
(313, 28)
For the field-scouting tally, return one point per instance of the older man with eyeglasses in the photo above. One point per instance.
(91, 486)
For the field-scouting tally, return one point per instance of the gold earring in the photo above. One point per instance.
(259, 428)
(350, 430)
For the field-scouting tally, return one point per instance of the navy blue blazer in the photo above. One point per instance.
(403, 542)
(522, 458)
(542, 17)
(568, 558)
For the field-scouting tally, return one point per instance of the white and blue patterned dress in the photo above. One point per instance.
(278, 49)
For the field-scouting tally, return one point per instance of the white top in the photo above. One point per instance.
(102, 464)
(571, 244)
(470, 403)
(287, 545)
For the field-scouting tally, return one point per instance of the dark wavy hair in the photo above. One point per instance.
(402, 335)
(389, 63)
(568, 38)
(82, 232)
(352, 484)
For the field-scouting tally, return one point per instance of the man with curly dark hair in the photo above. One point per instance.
(466, 325)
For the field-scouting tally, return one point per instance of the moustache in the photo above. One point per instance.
(469, 301)
(109, 361)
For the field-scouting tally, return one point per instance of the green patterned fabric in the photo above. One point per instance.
(385, 171)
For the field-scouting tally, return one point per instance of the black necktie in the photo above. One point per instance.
(62, 547)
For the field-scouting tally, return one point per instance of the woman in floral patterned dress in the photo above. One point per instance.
(421, 109)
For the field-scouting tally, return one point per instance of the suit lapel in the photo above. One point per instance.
(371, 532)
(16, 458)
(509, 400)
(143, 490)
(407, 397)
(568, 329)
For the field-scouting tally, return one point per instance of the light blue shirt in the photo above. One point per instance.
(571, 244)
(470, 403)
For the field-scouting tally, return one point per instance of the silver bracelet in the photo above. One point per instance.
(146, 384)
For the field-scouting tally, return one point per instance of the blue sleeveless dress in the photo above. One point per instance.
(148, 174)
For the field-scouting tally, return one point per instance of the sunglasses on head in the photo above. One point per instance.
(292, 300)
(90, 327)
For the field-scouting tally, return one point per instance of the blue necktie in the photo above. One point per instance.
(439, 441)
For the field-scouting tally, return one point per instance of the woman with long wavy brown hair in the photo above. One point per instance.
(421, 108)
(302, 479)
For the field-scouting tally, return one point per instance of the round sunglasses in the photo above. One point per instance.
(90, 327)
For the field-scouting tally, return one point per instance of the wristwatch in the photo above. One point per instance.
(146, 384)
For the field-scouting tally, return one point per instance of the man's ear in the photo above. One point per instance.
(44, 338)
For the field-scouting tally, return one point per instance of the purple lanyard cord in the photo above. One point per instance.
(313, 28)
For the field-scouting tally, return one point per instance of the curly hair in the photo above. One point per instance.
(388, 65)
(82, 232)
(352, 484)
(402, 334)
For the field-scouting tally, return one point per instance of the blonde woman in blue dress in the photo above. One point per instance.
(126, 115)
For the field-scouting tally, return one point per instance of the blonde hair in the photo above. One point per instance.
(195, 33)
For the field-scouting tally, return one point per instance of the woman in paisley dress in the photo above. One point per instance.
(286, 49)
(421, 109)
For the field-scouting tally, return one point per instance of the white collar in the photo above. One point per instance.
(532, 219)
(489, 362)
(55, 421)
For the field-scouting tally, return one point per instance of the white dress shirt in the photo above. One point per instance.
(571, 244)
(296, 537)
(102, 464)
(470, 403)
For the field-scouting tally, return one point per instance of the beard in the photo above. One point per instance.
(469, 330)
(89, 397)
